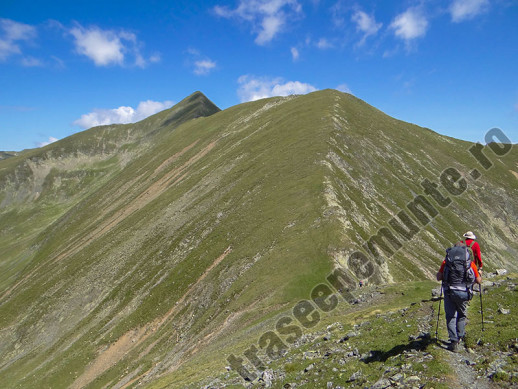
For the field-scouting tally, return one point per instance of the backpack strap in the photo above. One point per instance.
(470, 249)
(478, 261)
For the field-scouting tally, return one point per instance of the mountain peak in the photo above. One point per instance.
(197, 95)
(193, 106)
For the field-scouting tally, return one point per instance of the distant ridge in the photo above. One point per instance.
(194, 106)
(7, 154)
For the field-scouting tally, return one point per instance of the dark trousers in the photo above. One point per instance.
(455, 307)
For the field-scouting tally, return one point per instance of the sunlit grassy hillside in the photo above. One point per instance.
(130, 251)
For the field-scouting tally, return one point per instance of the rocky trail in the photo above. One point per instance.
(466, 376)
(344, 355)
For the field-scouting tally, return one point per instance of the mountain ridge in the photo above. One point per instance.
(229, 219)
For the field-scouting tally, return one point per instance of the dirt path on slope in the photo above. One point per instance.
(465, 375)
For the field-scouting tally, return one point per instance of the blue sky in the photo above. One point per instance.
(68, 65)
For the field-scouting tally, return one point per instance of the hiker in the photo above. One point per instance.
(458, 273)
(475, 248)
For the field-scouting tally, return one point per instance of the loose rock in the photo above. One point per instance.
(355, 376)
(382, 384)
(308, 368)
(413, 378)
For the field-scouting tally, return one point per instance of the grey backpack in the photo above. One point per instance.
(458, 274)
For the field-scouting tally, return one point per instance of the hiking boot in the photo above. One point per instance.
(453, 346)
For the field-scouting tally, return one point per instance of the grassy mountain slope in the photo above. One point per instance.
(141, 248)
(38, 186)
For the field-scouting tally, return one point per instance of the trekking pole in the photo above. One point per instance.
(481, 307)
(438, 314)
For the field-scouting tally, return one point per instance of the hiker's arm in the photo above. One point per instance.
(478, 278)
(439, 275)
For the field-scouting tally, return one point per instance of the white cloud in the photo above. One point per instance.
(410, 24)
(47, 142)
(31, 62)
(150, 107)
(270, 26)
(344, 88)
(323, 44)
(155, 58)
(103, 47)
(58, 62)
(337, 13)
(7, 49)
(267, 17)
(390, 52)
(201, 64)
(461, 10)
(140, 60)
(14, 31)
(107, 47)
(254, 88)
(366, 24)
(203, 67)
(223, 11)
(11, 34)
(100, 117)
(295, 53)
(194, 52)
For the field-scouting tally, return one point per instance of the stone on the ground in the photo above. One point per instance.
(436, 292)
(382, 384)
(355, 376)
(310, 367)
(412, 378)
(268, 377)
(486, 283)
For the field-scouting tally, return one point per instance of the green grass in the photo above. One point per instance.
(259, 190)
(499, 332)
(383, 331)
(387, 342)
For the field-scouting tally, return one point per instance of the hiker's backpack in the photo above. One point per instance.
(458, 274)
